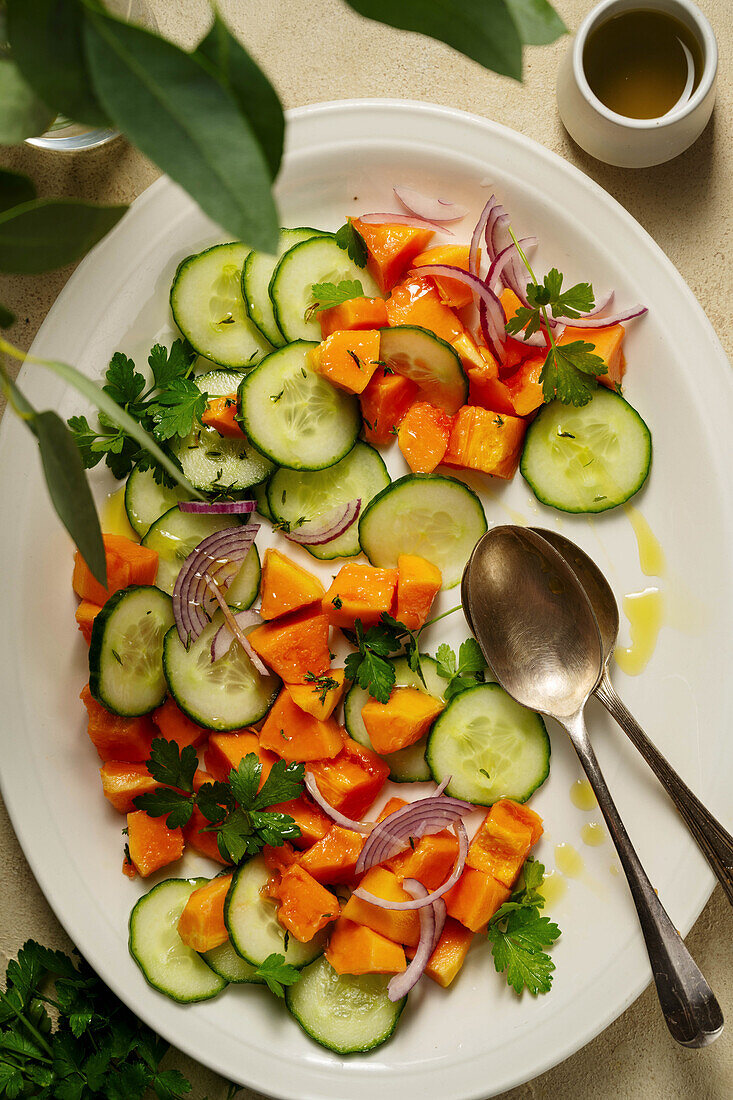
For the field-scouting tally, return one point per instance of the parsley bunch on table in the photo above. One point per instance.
(171, 406)
(518, 935)
(236, 811)
(94, 1049)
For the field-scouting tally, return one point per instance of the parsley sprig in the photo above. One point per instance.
(276, 974)
(93, 1049)
(237, 810)
(371, 666)
(170, 406)
(352, 242)
(518, 935)
(463, 673)
(569, 371)
(327, 295)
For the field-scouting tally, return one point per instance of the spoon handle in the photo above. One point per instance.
(690, 1009)
(715, 842)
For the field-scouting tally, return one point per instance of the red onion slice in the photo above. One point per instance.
(432, 919)
(326, 528)
(476, 236)
(403, 219)
(419, 903)
(499, 269)
(191, 597)
(233, 627)
(421, 818)
(486, 299)
(591, 321)
(339, 819)
(437, 210)
(219, 507)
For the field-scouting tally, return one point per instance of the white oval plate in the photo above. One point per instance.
(477, 1038)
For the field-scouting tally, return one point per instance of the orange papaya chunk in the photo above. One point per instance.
(417, 302)
(224, 751)
(176, 726)
(391, 807)
(423, 436)
(220, 413)
(309, 818)
(294, 644)
(347, 359)
(488, 391)
(114, 737)
(352, 780)
(486, 441)
(321, 695)
(407, 715)
(418, 583)
(293, 734)
(151, 843)
(400, 925)
(286, 586)
(201, 924)
(355, 313)
(333, 859)
(453, 292)
(356, 949)
(449, 954)
(85, 615)
(384, 403)
(305, 906)
(607, 342)
(524, 386)
(127, 563)
(391, 248)
(475, 898)
(515, 351)
(121, 782)
(504, 839)
(431, 861)
(359, 592)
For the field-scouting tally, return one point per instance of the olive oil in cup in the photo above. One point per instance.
(642, 64)
(637, 85)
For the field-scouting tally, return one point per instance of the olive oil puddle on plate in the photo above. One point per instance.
(113, 517)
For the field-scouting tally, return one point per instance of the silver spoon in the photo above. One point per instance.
(715, 842)
(538, 633)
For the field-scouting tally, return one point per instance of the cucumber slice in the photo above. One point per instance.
(126, 650)
(319, 260)
(406, 765)
(263, 505)
(491, 747)
(166, 962)
(214, 462)
(220, 695)
(175, 535)
(295, 417)
(243, 590)
(256, 275)
(587, 459)
(252, 923)
(207, 306)
(146, 501)
(344, 1013)
(437, 517)
(225, 962)
(294, 494)
(429, 361)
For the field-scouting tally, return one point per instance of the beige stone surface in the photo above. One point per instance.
(318, 50)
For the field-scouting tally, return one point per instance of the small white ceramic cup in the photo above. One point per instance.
(635, 142)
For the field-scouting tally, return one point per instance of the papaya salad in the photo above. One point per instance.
(261, 711)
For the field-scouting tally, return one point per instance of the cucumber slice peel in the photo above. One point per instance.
(256, 275)
(125, 651)
(429, 361)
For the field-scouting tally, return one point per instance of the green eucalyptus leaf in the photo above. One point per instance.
(22, 113)
(175, 110)
(47, 44)
(537, 21)
(6, 316)
(481, 29)
(69, 490)
(66, 480)
(44, 234)
(14, 189)
(256, 98)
